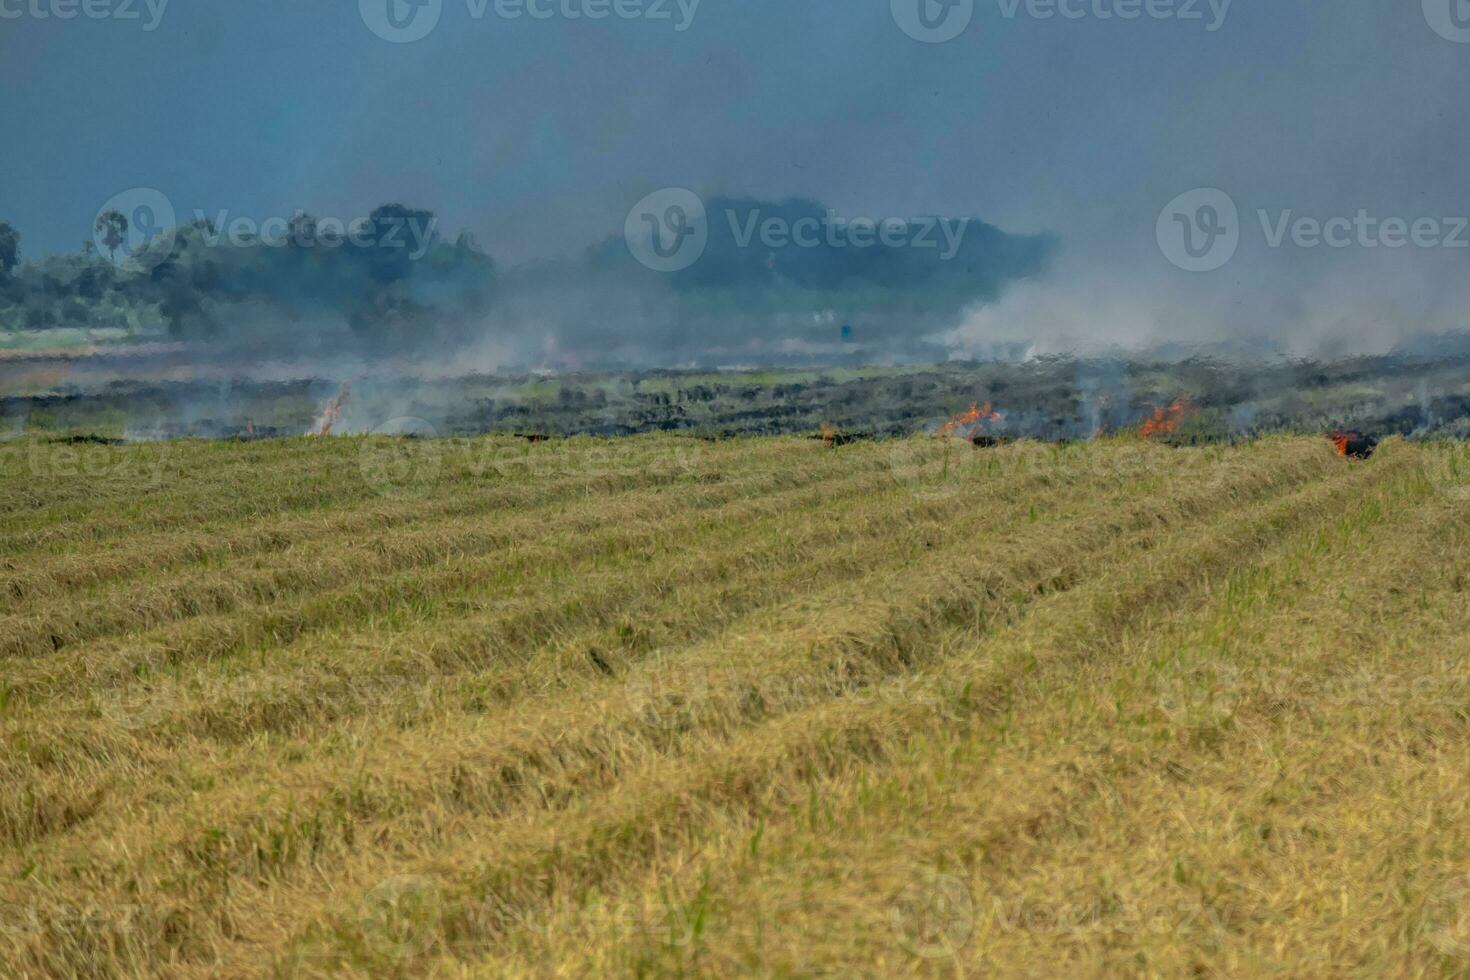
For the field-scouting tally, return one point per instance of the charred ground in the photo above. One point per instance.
(1052, 399)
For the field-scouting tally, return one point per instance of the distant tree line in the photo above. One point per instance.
(390, 281)
(196, 282)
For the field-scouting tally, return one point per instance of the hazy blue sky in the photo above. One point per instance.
(539, 135)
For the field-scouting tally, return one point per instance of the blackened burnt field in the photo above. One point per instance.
(365, 706)
(142, 394)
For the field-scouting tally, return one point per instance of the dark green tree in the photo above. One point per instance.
(113, 227)
(9, 248)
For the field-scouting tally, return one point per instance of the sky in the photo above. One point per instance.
(1092, 120)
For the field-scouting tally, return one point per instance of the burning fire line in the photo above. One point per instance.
(331, 413)
(834, 437)
(1353, 444)
(972, 421)
(1166, 421)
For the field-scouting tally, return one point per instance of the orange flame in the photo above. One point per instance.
(972, 419)
(1103, 403)
(1165, 421)
(1352, 444)
(331, 412)
(829, 434)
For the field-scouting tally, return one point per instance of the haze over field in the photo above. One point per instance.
(1068, 144)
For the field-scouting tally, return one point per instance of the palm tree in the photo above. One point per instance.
(113, 227)
(9, 248)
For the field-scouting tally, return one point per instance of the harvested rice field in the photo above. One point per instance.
(666, 707)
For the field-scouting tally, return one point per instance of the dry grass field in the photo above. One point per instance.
(662, 707)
